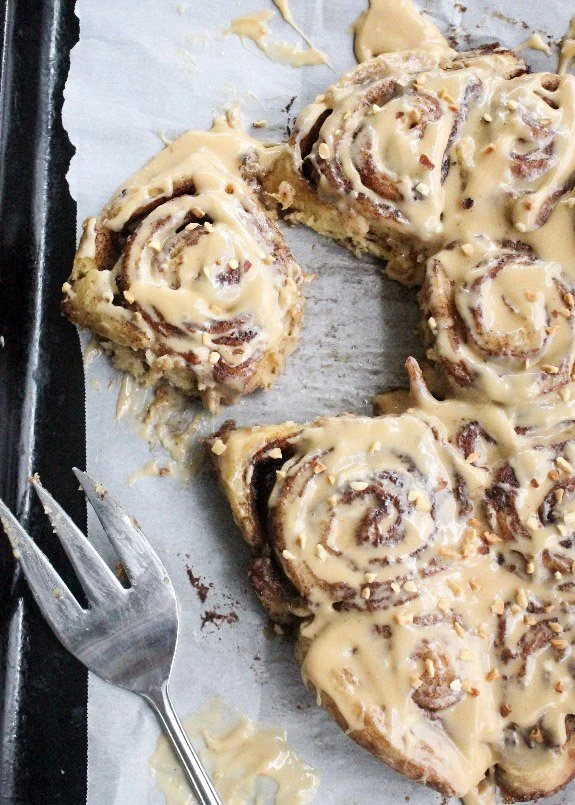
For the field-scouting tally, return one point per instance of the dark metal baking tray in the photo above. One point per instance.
(43, 690)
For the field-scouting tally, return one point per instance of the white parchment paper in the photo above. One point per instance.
(148, 66)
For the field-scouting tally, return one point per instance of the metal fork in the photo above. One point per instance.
(126, 636)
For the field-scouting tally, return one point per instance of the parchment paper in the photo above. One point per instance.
(149, 66)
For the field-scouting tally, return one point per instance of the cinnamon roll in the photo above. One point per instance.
(186, 278)
(370, 158)
(429, 560)
(498, 321)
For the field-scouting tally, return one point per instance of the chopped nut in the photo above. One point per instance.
(429, 668)
(559, 643)
(530, 620)
(275, 452)
(550, 369)
(530, 568)
(260, 124)
(288, 555)
(521, 598)
(321, 553)
(129, 297)
(565, 394)
(331, 479)
(415, 681)
(455, 685)
(467, 249)
(569, 299)
(324, 151)
(492, 675)
(498, 607)
(370, 577)
(455, 588)
(206, 338)
(558, 686)
(475, 585)
(422, 189)
(219, 447)
(533, 523)
(482, 631)
(564, 464)
(359, 486)
(410, 587)
(403, 618)
(489, 149)
(395, 587)
(214, 357)
(471, 458)
(365, 593)
(443, 605)
(531, 296)
(459, 628)
(536, 735)
(558, 494)
(555, 627)
(487, 117)
(564, 311)
(318, 468)
(465, 654)
(375, 447)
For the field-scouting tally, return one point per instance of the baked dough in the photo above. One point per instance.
(426, 557)
(369, 160)
(427, 562)
(185, 277)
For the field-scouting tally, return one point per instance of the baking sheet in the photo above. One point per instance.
(150, 68)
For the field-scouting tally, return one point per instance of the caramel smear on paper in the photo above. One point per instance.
(391, 25)
(255, 26)
(247, 762)
(535, 42)
(167, 419)
(567, 48)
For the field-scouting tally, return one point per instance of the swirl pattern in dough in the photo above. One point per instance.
(185, 276)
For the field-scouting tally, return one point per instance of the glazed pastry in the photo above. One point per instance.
(498, 322)
(186, 278)
(428, 560)
(370, 159)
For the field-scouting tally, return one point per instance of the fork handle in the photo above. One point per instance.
(202, 786)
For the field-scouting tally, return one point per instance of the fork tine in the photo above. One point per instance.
(52, 595)
(133, 548)
(97, 579)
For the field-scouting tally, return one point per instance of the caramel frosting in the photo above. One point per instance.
(434, 552)
(185, 268)
(238, 754)
(393, 25)
(498, 321)
(428, 554)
